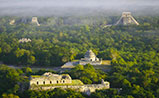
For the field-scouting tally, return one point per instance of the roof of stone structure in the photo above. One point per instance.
(89, 54)
(49, 75)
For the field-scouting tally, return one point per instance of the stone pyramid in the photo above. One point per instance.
(34, 20)
(126, 19)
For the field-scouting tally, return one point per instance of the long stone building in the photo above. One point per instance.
(49, 78)
(50, 81)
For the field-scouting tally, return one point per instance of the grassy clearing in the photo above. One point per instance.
(75, 60)
(106, 66)
(35, 76)
(106, 62)
(77, 82)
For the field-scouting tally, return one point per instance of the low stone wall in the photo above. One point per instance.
(82, 88)
(42, 81)
(90, 62)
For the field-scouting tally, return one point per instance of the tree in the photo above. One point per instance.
(9, 78)
(9, 96)
(87, 74)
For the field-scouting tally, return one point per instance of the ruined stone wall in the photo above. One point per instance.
(90, 62)
(23, 40)
(12, 22)
(49, 81)
(82, 88)
(43, 81)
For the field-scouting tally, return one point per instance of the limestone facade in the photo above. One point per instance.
(44, 83)
(49, 78)
(126, 19)
(12, 22)
(90, 58)
(24, 40)
(88, 88)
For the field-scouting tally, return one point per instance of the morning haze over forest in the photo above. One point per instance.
(79, 49)
(79, 7)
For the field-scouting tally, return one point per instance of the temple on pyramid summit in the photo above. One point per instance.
(34, 20)
(126, 19)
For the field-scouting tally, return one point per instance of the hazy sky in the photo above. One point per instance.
(41, 7)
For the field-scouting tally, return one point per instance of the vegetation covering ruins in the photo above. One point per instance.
(133, 49)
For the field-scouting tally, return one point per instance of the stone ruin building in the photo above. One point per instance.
(34, 20)
(25, 20)
(89, 58)
(12, 22)
(49, 81)
(24, 40)
(126, 19)
(49, 78)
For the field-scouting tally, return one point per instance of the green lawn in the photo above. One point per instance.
(106, 62)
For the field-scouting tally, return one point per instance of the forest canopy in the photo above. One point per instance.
(134, 51)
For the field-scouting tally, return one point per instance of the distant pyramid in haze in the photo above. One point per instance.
(25, 20)
(126, 19)
(12, 21)
(35, 21)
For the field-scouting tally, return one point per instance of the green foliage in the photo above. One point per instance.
(9, 78)
(110, 93)
(56, 93)
(87, 74)
(9, 96)
(134, 51)
(53, 45)
(27, 70)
